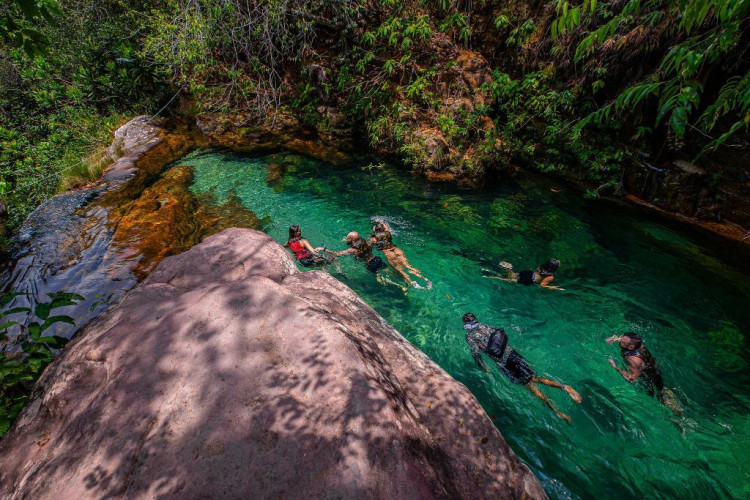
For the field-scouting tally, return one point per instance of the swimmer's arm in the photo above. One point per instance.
(633, 371)
(614, 338)
(546, 283)
(343, 252)
(309, 247)
(477, 355)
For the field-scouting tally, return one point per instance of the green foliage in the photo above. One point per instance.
(20, 20)
(19, 371)
(707, 33)
(536, 125)
(59, 106)
(520, 35)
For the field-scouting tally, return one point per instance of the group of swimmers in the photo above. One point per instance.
(361, 249)
(485, 339)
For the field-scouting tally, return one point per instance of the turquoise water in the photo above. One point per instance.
(620, 271)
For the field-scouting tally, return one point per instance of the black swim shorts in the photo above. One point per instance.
(518, 369)
(312, 261)
(375, 264)
(526, 277)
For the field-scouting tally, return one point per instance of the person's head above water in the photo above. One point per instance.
(380, 226)
(550, 266)
(351, 237)
(630, 341)
(294, 231)
(469, 318)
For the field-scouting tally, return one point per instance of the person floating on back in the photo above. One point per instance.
(494, 343)
(303, 250)
(642, 366)
(382, 239)
(543, 275)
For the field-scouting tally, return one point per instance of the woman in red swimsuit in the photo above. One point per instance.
(303, 250)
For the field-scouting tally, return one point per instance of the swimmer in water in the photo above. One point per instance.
(494, 343)
(361, 250)
(303, 250)
(382, 239)
(543, 275)
(642, 366)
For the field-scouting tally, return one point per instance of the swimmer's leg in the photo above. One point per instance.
(385, 280)
(400, 269)
(416, 272)
(574, 395)
(511, 274)
(669, 399)
(535, 389)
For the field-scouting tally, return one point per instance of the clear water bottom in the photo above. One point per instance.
(620, 273)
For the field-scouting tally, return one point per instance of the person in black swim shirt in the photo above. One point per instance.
(642, 366)
(493, 342)
(543, 275)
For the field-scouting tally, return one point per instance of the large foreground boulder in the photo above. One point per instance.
(229, 374)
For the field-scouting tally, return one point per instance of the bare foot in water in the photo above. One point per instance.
(506, 265)
(563, 416)
(573, 394)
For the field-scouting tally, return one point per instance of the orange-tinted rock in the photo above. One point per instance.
(155, 222)
(440, 176)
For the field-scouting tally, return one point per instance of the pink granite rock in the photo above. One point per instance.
(229, 374)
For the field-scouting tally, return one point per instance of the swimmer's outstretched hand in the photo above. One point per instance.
(612, 363)
(611, 340)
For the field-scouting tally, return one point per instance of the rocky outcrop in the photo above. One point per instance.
(99, 241)
(694, 195)
(228, 373)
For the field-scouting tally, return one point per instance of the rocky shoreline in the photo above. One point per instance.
(228, 372)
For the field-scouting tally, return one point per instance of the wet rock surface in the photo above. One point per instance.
(694, 195)
(101, 240)
(228, 373)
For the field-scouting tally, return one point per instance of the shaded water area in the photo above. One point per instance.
(621, 271)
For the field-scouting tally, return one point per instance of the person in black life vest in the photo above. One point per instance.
(641, 365)
(362, 251)
(543, 275)
(494, 343)
(303, 250)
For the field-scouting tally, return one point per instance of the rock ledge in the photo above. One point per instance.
(228, 373)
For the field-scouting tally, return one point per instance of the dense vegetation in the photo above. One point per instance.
(19, 370)
(460, 86)
(69, 72)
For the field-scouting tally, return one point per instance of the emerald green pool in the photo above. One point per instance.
(621, 271)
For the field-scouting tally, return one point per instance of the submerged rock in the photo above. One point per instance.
(228, 373)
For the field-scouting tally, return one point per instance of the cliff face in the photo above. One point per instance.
(228, 373)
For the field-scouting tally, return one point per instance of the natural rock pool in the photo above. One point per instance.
(620, 270)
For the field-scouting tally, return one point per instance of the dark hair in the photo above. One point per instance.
(549, 267)
(468, 318)
(294, 231)
(637, 339)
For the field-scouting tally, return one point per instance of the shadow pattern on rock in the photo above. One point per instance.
(228, 373)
